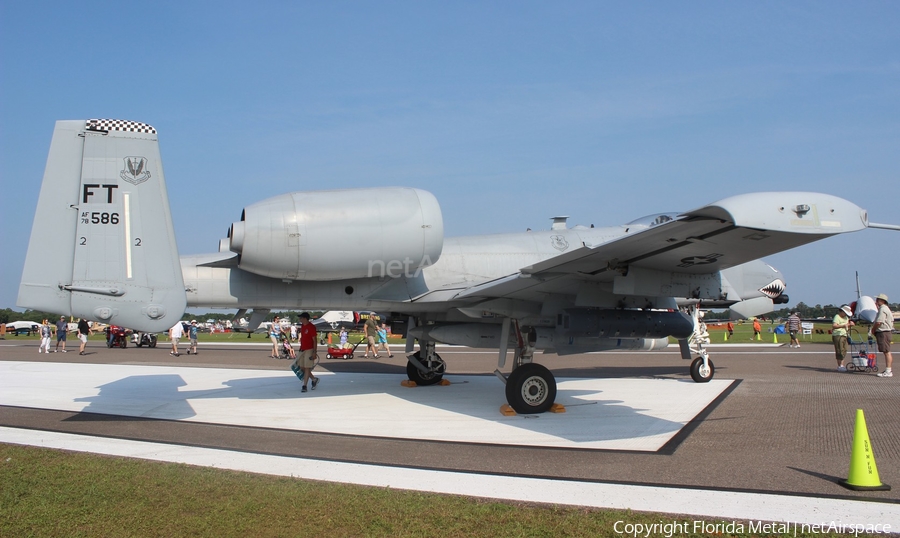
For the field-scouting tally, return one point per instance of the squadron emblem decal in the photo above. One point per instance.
(559, 242)
(135, 170)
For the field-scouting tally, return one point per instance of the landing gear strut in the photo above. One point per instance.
(702, 369)
(531, 387)
(425, 367)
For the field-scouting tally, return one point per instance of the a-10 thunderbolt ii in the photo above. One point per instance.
(564, 290)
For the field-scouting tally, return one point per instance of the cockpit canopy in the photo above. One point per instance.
(654, 220)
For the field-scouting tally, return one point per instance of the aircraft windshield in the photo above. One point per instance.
(653, 220)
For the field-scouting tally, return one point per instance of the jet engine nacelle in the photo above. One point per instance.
(340, 234)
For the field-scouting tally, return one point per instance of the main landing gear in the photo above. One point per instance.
(531, 387)
(425, 367)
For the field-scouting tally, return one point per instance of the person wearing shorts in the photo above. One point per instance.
(175, 334)
(306, 360)
(84, 330)
(882, 329)
(192, 334)
(61, 329)
(275, 336)
(370, 329)
(794, 324)
(383, 341)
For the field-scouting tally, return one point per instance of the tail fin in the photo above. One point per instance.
(102, 244)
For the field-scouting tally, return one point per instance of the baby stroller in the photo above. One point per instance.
(285, 350)
(863, 357)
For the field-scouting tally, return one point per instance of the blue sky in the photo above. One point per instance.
(509, 112)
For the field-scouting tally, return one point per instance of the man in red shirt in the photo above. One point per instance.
(306, 360)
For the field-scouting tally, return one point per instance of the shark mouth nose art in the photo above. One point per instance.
(773, 289)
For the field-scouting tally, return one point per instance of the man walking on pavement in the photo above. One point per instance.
(306, 361)
(793, 327)
(61, 329)
(882, 329)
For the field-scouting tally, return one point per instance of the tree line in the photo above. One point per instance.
(803, 310)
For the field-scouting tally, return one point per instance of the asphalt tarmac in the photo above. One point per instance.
(785, 427)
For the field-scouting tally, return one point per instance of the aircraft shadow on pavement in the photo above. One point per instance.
(808, 368)
(469, 405)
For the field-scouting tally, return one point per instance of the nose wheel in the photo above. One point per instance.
(700, 372)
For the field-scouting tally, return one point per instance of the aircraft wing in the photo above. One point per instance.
(696, 243)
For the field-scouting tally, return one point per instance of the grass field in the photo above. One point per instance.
(57, 493)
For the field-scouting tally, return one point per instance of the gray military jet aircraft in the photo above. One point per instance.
(565, 290)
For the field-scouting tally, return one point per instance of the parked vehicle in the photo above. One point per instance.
(144, 339)
(19, 328)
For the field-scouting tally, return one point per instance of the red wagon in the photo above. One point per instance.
(342, 352)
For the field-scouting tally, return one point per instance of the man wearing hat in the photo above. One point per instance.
(306, 361)
(839, 326)
(881, 329)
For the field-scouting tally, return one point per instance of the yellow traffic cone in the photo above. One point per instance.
(775, 337)
(863, 475)
(726, 335)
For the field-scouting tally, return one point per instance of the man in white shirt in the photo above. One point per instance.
(175, 334)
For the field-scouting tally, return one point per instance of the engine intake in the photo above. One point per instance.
(340, 234)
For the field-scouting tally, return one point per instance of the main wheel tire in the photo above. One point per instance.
(531, 388)
(423, 379)
(699, 373)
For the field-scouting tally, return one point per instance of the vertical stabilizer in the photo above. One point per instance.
(102, 244)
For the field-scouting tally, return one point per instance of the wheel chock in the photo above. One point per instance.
(409, 383)
(508, 411)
